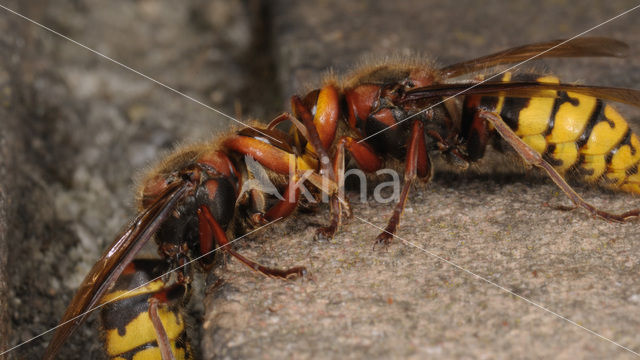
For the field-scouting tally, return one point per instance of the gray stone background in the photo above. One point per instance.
(76, 129)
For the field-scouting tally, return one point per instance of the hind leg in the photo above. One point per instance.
(534, 158)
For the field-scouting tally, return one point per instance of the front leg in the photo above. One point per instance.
(211, 231)
(367, 161)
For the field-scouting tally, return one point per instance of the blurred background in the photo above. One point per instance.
(75, 129)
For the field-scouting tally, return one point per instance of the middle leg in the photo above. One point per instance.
(416, 163)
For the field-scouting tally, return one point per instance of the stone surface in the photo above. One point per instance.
(9, 145)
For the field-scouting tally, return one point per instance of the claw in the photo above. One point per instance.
(258, 219)
(384, 239)
(294, 273)
(346, 207)
(326, 233)
(560, 207)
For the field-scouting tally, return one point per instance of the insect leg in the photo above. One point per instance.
(164, 344)
(277, 120)
(338, 170)
(326, 169)
(210, 229)
(312, 132)
(363, 154)
(327, 232)
(417, 160)
(532, 157)
(285, 207)
(366, 159)
(288, 117)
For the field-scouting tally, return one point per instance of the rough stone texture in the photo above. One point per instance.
(4, 238)
(87, 126)
(9, 145)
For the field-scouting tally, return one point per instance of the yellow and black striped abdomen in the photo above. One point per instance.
(129, 333)
(577, 134)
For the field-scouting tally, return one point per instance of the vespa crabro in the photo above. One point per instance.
(404, 111)
(188, 203)
(407, 111)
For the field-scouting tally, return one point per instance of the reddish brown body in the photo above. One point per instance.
(408, 112)
(188, 203)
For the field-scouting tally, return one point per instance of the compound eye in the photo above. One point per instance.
(410, 84)
(193, 174)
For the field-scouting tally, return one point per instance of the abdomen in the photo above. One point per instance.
(127, 328)
(578, 134)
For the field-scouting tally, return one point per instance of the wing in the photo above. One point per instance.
(580, 47)
(112, 263)
(520, 89)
